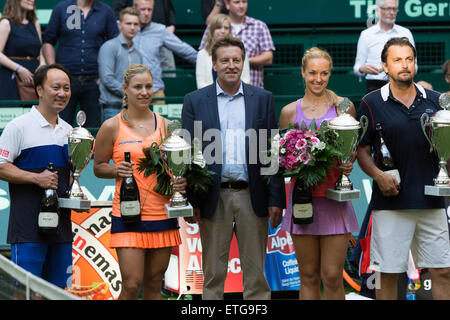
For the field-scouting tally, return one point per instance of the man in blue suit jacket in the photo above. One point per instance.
(232, 115)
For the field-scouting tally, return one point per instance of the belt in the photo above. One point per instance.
(87, 77)
(24, 58)
(237, 185)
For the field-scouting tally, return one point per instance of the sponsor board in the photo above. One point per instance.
(185, 275)
(93, 261)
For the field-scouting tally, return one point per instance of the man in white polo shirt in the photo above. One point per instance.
(28, 144)
(372, 41)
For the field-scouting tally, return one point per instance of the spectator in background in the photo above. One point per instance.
(371, 43)
(164, 13)
(20, 46)
(219, 28)
(446, 70)
(114, 57)
(212, 7)
(256, 37)
(149, 41)
(80, 27)
(29, 143)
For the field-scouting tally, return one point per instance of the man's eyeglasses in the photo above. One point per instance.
(393, 9)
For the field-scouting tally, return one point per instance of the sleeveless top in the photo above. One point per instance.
(23, 41)
(152, 203)
(333, 173)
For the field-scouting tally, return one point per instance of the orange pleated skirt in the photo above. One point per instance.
(145, 240)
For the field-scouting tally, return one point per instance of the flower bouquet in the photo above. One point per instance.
(305, 153)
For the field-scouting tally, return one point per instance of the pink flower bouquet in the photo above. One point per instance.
(305, 153)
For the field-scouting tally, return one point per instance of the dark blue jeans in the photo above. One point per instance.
(85, 94)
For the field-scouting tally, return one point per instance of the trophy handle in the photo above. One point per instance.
(364, 121)
(423, 123)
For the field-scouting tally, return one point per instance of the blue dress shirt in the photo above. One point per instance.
(114, 58)
(232, 126)
(80, 38)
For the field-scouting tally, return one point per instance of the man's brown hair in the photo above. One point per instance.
(403, 41)
(133, 11)
(227, 42)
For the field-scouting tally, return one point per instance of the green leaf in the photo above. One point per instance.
(313, 126)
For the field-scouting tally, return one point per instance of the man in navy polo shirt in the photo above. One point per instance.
(404, 217)
(28, 144)
(80, 27)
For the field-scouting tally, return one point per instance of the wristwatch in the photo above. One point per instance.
(219, 3)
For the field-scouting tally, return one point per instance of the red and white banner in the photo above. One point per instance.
(185, 275)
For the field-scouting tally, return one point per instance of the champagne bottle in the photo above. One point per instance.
(302, 210)
(130, 206)
(385, 161)
(48, 217)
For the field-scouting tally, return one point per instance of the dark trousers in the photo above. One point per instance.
(372, 85)
(86, 94)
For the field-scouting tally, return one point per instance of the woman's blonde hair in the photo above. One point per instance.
(317, 53)
(216, 23)
(131, 71)
(13, 11)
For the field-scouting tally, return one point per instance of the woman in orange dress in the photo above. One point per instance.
(143, 248)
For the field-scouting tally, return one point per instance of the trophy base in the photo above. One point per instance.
(339, 195)
(178, 212)
(437, 191)
(76, 204)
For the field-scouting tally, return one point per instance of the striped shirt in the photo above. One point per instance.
(256, 38)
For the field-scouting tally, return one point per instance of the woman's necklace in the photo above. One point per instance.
(313, 107)
(143, 126)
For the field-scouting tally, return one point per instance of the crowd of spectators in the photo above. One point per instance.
(95, 45)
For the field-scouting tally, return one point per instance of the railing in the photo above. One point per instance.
(20, 278)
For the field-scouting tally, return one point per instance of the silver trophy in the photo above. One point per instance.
(440, 142)
(176, 154)
(81, 147)
(347, 130)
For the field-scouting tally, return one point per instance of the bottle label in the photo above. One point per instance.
(395, 174)
(130, 208)
(302, 210)
(48, 219)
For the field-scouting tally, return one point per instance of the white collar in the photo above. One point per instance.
(220, 91)
(378, 28)
(40, 118)
(385, 91)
